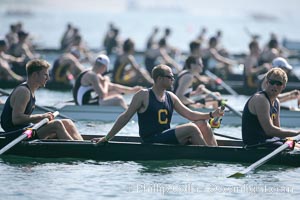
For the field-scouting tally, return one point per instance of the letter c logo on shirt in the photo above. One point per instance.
(162, 116)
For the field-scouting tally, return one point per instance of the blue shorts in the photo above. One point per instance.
(166, 137)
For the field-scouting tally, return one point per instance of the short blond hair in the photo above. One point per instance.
(277, 73)
(159, 70)
(36, 65)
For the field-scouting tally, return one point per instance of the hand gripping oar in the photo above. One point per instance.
(215, 97)
(40, 107)
(221, 82)
(288, 144)
(26, 134)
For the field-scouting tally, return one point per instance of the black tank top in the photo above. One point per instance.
(77, 86)
(157, 116)
(176, 84)
(6, 116)
(252, 131)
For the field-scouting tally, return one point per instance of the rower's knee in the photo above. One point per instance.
(201, 123)
(193, 129)
(58, 124)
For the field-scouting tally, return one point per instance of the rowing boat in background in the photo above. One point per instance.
(236, 85)
(234, 80)
(110, 114)
(132, 149)
(51, 85)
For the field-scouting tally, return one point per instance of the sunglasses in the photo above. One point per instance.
(169, 77)
(274, 82)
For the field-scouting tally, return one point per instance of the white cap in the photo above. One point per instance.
(281, 63)
(103, 59)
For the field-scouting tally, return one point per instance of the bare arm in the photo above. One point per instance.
(135, 65)
(27, 52)
(190, 114)
(11, 58)
(184, 83)
(19, 105)
(136, 103)
(251, 68)
(220, 58)
(294, 94)
(100, 86)
(169, 59)
(78, 67)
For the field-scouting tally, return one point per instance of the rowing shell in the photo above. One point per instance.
(131, 148)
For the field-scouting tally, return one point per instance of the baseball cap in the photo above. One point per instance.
(103, 59)
(281, 63)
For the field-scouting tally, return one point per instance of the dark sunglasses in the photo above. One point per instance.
(169, 77)
(274, 82)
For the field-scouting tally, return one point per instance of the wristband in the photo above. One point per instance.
(210, 115)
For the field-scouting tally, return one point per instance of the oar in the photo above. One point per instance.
(238, 113)
(40, 107)
(221, 82)
(287, 144)
(26, 134)
(227, 136)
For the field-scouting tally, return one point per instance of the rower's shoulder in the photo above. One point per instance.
(142, 92)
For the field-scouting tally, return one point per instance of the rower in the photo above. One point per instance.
(183, 86)
(154, 107)
(282, 63)
(261, 120)
(92, 82)
(19, 106)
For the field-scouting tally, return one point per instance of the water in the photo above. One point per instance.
(26, 178)
(34, 179)
(86, 179)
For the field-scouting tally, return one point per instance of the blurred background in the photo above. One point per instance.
(46, 20)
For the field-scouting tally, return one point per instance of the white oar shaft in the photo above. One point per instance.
(13, 143)
(219, 99)
(221, 82)
(264, 159)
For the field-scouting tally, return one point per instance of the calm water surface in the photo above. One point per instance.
(25, 178)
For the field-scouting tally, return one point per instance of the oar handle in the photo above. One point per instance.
(43, 121)
(55, 114)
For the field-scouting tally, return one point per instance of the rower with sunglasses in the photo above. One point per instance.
(261, 120)
(154, 107)
(286, 96)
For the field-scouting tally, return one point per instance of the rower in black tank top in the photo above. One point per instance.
(6, 116)
(154, 123)
(252, 131)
